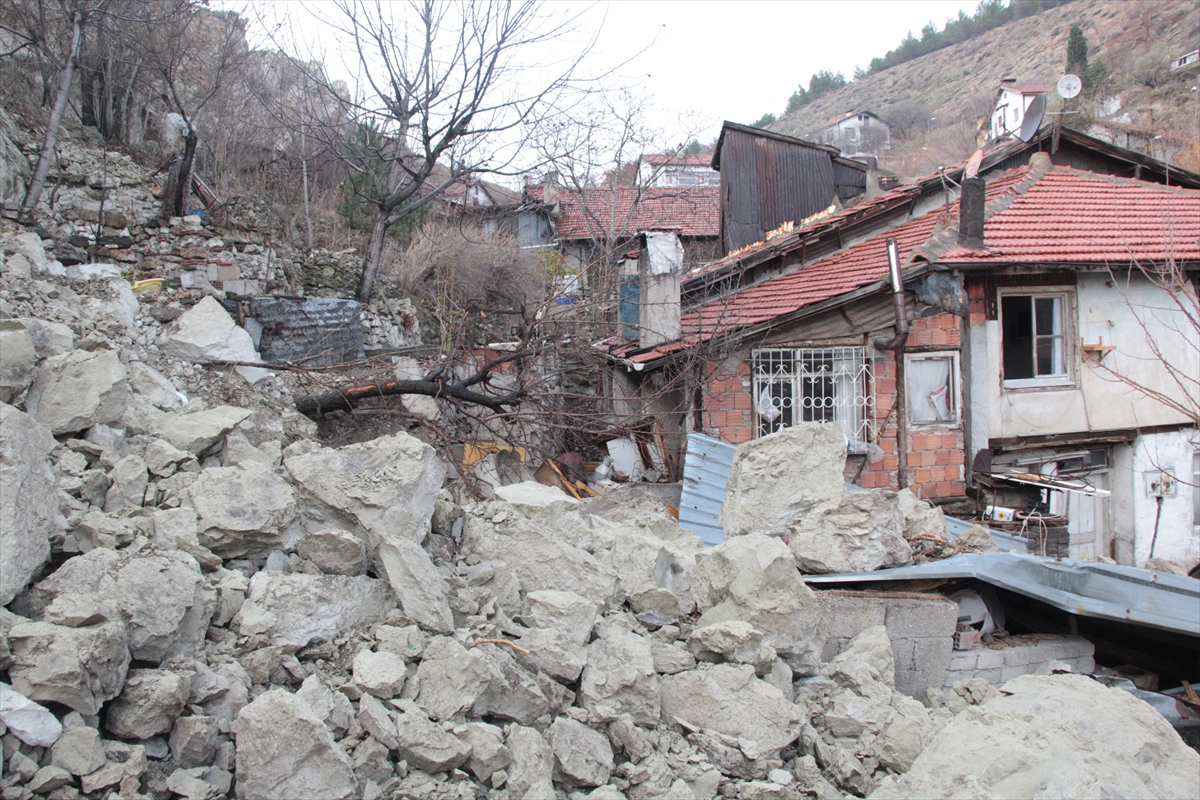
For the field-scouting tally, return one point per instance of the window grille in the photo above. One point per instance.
(827, 385)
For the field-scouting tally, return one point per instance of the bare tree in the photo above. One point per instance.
(55, 30)
(449, 88)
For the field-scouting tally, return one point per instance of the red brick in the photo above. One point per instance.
(742, 401)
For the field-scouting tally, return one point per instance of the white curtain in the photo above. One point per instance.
(929, 392)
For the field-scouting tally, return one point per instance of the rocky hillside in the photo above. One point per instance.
(957, 84)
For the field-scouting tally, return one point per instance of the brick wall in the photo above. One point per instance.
(936, 467)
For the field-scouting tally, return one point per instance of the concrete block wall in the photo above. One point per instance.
(920, 627)
(998, 665)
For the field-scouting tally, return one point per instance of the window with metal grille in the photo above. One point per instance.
(826, 385)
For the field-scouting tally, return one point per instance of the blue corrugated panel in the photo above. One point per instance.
(705, 473)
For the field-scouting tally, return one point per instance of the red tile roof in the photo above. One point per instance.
(1038, 214)
(688, 210)
(1068, 216)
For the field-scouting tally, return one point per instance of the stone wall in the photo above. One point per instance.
(920, 628)
(1022, 656)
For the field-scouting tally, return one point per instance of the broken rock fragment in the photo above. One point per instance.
(583, 756)
(149, 704)
(285, 752)
(25, 719)
(334, 552)
(79, 667)
(206, 332)
(620, 679)
(197, 431)
(305, 608)
(28, 500)
(76, 390)
(424, 745)
(242, 510)
(417, 584)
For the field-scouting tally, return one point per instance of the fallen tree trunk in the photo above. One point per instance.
(348, 397)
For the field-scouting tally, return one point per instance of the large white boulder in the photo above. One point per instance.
(196, 432)
(18, 359)
(386, 486)
(858, 532)
(76, 390)
(33, 724)
(206, 332)
(418, 585)
(620, 679)
(728, 699)
(1052, 736)
(149, 704)
(29, 513)
(777, 479)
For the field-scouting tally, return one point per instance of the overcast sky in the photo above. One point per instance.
(739, 60)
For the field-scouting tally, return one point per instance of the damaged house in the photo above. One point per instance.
(1039, 356)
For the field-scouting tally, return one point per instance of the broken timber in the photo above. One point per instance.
(348, 397)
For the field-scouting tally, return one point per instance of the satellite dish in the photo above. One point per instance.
(972, 168)
(1033, 118)
(1069, 86)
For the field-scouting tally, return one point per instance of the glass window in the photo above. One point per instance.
(814, 385)
(1034, 342)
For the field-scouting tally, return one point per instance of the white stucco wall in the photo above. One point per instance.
(1177, 537)
(1098, 399)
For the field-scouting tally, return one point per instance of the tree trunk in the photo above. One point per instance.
(54, 126)
(366, 282)
(175, 199)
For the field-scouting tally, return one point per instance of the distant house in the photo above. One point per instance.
(997, 377)
(677, 170)
(855, 133)
(1012, 101)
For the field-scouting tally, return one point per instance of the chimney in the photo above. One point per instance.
(970, 213)
(660, 318)
(550, 191)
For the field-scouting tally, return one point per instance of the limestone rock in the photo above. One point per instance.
(488, 753)
(28, 500)
(906, 731)
(1052, 736)
(49, 338)
(735, 641)
(859, 532)
(753, 578)
(79, 667)
(620, 679)
(865, 665)
(334, 552)
(536, 556)
(779, 478)
(452, 678)
(582, 755)
(206, 332)
(425, 745)
(47, 779)
(285, 752)
(199, 430)
(78, 751)
(386, 485)
(571, 615)
(920, 516)
(155, 387)
(730, 700)
(25, 719)
(18, 359)
(164, 599)
(129, 481)
(149, 704)
(419, 587)
(381, 674)
(242, 510)
(532, 767)
(194, 741)
(307, 608)
(78, 389)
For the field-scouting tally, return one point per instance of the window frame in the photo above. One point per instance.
(1069, 377)
(862, 421)
(955, 388)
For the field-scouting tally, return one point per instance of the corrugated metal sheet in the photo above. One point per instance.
(849, 181)
(766, 182)
(1085, 588)
(316, 330)
(705, 472)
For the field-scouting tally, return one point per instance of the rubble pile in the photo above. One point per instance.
(201, 600)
